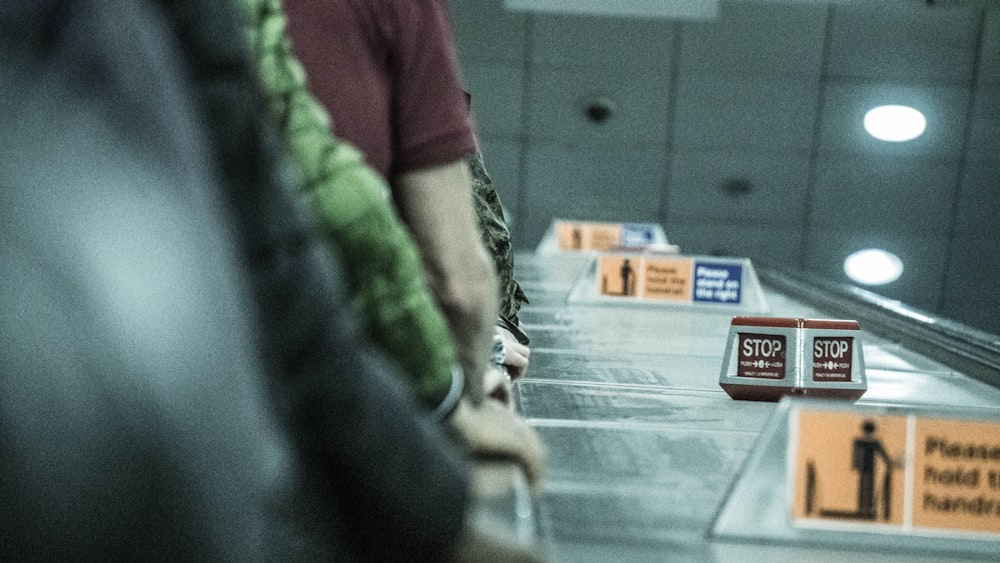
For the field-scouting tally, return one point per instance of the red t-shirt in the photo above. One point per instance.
(386, 71)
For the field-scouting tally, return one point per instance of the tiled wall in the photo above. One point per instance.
(770, 93)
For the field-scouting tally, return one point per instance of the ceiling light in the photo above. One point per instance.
(895, 123)
(873, 266)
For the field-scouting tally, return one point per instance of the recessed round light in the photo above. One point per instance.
(873, 266)
(894, 123)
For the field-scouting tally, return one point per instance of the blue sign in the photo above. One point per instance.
(716, 282)
(638, 235)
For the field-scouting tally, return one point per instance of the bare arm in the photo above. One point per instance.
(436, 204)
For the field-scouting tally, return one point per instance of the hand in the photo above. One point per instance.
(516, 355)
(492, 430)
(475, 545)
(497, 385)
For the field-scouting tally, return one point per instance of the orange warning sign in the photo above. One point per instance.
(957, 475)
(639, 276)
(850, 467)
(917, 473)
(588, 236)
(668, 279)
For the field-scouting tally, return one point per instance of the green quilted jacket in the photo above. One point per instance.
(352, 206)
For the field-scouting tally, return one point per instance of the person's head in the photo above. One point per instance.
(868, 427)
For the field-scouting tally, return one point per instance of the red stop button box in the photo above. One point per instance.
(769, 357)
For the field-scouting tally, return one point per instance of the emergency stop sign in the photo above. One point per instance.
(762, 355)
(831, 358)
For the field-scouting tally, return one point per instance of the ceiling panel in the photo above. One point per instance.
(608, 42)
(904, 43)
(971, 277)
(675, 9)
(989, 52)
(559, 96)
(971, 287)
(762, 114)
(984, 136)
(902, 194)
(496, 90)
(602, 183)
(707, 185)
(756, 38)
(845, 106)
(978, 206)
(778, 244)
(484, 31)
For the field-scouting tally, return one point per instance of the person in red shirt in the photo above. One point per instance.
(387, 74)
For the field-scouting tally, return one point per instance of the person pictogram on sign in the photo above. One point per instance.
(628, 282)
(867, 448)
(866, 451)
